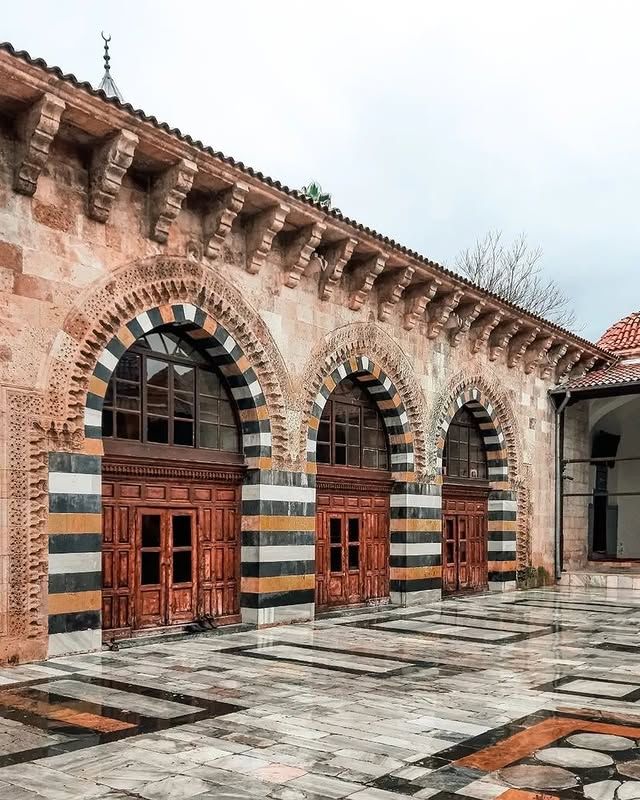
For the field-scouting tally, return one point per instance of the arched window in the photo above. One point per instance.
(464, 450)
(166, 391)
(351, 432)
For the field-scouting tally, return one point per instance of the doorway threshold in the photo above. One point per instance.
(356, 611)
(162, 636)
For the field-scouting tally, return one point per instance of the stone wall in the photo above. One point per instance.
(577, 444)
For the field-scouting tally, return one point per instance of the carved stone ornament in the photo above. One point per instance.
(362, 279)
(36, 131)
(109, 163)
(335, 257)
(536, 352)
(519, 344)
(300, 250)
(501, 337)
(582, 367)
(261, 230)
(482, 328)
(168, 195)
(416, 299)
(440, 310)
(219, 219)
(552, 357)
(463, 317)
(566, 364)
(391, 287)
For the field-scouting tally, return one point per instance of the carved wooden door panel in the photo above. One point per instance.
(151, 569)
(219, 562)
(376, 563)
(464, 540)
(117, 562)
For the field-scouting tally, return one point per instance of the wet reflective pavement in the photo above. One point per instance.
(520, 696)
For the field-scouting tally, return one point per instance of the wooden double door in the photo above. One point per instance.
(352, 546)
(170, 549)
(464, 539)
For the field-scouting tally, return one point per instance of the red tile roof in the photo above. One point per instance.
(624, 336)
(616, 375)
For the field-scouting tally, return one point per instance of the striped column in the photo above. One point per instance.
(278, 547)
(75, 537)
(502, 540)
(416, 543)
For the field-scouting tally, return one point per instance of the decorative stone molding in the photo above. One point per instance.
(566, 363)
(519, 344)
(362, 279)
(36, 130)
(536, 352)
(501, 337)
(335, 258)
(440, 311)
(349, 341)
(155, 282)
(416, 299)
(219, 219)
(260, 232)
(582, 367)
(462, 318)
(482, 328)
(300, 250)
(390, 289)
(552, 357)
(109, 163)
(168, 195)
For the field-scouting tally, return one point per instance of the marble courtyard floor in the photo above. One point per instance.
(520, 696)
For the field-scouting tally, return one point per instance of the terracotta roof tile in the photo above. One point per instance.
(624, 336)
(615, 375)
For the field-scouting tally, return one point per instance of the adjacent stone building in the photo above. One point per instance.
(222, 402)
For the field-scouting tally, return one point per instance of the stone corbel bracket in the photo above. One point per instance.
(501, 337)
(439, 312)
(362, 279)
(109, 163)
(416, 300)
(335, 258)
(536, 352)
(553, 356)
(391, 287)
(261, 231)
(519, 344)
(567, 362)
(36, 131)
(167, 197)
(582, 367)
(462, 318)
(300, 250)
(219, 219)
(482, 328)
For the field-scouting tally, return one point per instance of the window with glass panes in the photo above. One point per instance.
(165, 391)
(351, 432)
(464, 453)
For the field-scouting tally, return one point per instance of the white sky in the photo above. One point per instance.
(431, 122)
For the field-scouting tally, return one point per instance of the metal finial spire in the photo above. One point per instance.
(107, 84)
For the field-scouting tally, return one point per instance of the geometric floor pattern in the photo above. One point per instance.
(520, 696)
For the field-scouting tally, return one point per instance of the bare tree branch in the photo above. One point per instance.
(515, 273)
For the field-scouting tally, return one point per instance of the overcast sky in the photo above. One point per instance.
(431, 122)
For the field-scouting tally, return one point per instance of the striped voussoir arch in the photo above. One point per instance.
(75, 479)
(387, 398)
(503, 506)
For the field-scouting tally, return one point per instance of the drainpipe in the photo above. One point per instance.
(559, 538)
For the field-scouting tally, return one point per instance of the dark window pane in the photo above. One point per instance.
(383, 459)
(324, 431)
(341, 413)
(229, 440)
(128, 367)
(225, 410)
(150, 530)
(157, 373)
(354, 456)
(183, 433)
(335, 530)
(127, 426)
(149, 568)
(157, 401)
(341, 454)
(182, 566)
(354, 557)
(208, 436)
(323, 454)
(353, 528)
(340, 434)
(210, 383)
(369, 418)
(158, 430)
(354, 436)
(336, 559)
(183, 378)
(108, 398)
(183, 406)
(370, 458)
(209, 409)
(107, 423)
(181, 524)
(128, 395)
(353, 416)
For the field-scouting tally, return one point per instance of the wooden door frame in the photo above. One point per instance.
(470, 490)
(195, 561)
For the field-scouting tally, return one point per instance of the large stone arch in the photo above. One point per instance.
(509, 511)
(159, 282)
(368, 353)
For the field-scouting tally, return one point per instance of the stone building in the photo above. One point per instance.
(223, 401)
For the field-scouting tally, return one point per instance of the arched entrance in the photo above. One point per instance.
(465, 495)
(353, 487)
(171, 479)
